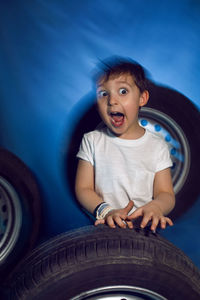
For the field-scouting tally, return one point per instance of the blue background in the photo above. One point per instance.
(47, 52)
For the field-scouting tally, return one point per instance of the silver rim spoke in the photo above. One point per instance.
(10, 218)
(164, 126)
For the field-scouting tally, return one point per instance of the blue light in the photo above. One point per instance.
(173, 151)
(168, 138)
(157, 127)
(144, 122)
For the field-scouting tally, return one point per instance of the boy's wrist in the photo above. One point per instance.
(102, 210)
(96, 208)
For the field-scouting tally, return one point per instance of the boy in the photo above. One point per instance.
(123, 170)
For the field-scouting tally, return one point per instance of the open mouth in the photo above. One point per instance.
(117, 118)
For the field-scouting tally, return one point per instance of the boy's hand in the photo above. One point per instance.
(117, 216)
(151, 212)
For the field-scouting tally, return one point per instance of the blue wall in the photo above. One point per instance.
(47, 51)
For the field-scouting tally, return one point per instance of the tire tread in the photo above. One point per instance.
(129, 246)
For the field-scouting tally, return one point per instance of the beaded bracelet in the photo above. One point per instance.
(102, 210)
(97, 207)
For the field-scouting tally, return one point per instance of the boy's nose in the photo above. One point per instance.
(112, 100)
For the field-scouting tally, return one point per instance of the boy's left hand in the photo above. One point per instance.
(151, 212)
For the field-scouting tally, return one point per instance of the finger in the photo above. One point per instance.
(110, 222)
(154, 224)
(137, 213)
(97, 222)
(123, 216)
(129, 206)
(169, 221)
(163, 222)
(145, 221)
(120, 222)
(129, 224)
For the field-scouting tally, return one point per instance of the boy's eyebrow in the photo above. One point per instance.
(121, 82)
(124, 82)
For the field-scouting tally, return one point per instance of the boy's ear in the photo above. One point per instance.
(144, 97)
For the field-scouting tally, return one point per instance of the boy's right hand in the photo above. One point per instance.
(117, 217)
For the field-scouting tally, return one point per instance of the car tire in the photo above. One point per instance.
(175, 118)
(169, 114)
(20, 210)
(105, 263)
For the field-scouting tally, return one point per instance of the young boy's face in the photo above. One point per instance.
(118, 101)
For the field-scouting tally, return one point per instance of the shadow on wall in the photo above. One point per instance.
(169, 114)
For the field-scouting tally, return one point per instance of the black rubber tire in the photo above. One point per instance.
(95, 257)
(177, 107)
(20, 180)
(187, 116)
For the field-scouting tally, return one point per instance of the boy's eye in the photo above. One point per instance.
(123, 91)
(102, 94)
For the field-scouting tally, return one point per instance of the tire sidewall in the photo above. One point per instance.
(181, 110)
(22, 181)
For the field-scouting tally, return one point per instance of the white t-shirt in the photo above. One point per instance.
(124, 169)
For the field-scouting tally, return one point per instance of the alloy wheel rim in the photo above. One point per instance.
(120, 292)
(10, 218)
(164, 126)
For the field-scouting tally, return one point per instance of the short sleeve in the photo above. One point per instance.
(163, 159)
(86, 150)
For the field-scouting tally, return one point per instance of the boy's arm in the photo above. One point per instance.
(163, 192)
(164, 201)
(89, 199)
(84, 186)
